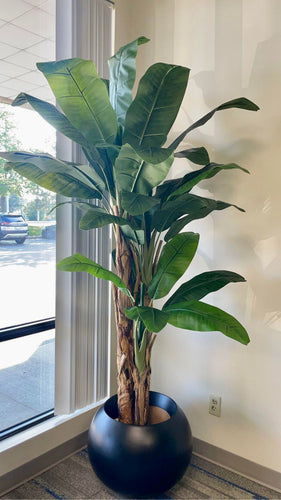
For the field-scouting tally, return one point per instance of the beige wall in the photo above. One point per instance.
(233, 48)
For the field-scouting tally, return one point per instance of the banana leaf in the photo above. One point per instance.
(240, 102)
(201, 285)
(196, 155)
(202, 317)
(187, 203)
(53, 116)
(153, 319)
(154, 109)
(133, 174)
(175, 258)
(137, 204)
(79, 263)
(83, 97)
(122, 71)
(96, 217)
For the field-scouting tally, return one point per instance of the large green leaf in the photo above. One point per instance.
(48, 163)
(131, 234)
(187, 203)
(136, 204)
(58, 183)
(174, 260)
(202, 317)
(132, 173)
(240, 102)
(99, 162)
(203, 209)
(53, 116)
(50, 173)
(201, 285)
(196, 155)
(153, 319)
(91, 174)
(155, 155)
(83, 97)
(155, 107)
(193, 178)
(78, 263)
(122, 71)
(97, 217)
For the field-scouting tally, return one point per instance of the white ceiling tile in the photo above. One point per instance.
(11, 70)
(17, 37)
(23, 58)
(2, 22)
(45, 49)
(6, 92)
(36, 3)
(3, 78)
(35, 77)
(49, 6)
(20, 86)
(44, 93)
(6, 50)
(11, 9)
(38, 22)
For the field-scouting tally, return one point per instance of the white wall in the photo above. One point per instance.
(233, 48)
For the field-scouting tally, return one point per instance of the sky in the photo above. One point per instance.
(33, 131)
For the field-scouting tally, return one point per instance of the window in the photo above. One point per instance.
(82, 303)
(27, 232)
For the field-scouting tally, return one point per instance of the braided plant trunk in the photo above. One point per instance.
(133, 386)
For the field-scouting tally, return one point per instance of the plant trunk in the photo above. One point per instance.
(141, 392)
(133, 389)
(125, 341)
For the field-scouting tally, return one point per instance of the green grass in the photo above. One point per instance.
(35, 231)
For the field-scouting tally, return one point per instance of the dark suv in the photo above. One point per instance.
(13, 227)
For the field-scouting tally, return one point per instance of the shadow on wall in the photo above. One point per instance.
(254, 73)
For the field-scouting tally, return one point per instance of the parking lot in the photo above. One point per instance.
(27, 278)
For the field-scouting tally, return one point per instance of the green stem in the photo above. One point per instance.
(140, 350)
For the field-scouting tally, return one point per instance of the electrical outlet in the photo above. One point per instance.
(215, 405)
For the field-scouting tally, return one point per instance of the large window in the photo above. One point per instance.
(81, 358)
(27, 229)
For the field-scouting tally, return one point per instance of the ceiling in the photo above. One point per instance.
(27, 36)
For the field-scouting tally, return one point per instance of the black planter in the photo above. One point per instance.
(140, 461)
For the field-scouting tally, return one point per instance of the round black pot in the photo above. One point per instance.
(140, 461)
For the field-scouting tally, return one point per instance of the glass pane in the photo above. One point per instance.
(27, 367)
(27, 230)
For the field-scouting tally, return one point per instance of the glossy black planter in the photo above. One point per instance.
(140, 461)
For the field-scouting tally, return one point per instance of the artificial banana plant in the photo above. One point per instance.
(127, 160)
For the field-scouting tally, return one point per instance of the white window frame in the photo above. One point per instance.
(82, 381)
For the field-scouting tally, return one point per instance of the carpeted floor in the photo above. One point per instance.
(74, 479)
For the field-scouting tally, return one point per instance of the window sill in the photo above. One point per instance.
(17, 451)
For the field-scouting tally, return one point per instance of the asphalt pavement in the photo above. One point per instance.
(27, 281)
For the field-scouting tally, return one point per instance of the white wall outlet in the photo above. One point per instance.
(215, 405)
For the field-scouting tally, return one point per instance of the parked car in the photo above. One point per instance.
(13, 227)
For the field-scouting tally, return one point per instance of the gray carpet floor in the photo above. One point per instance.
(73, 478)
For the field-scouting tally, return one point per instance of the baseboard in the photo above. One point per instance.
(31, 469)
(251, 470)
(222, 457)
